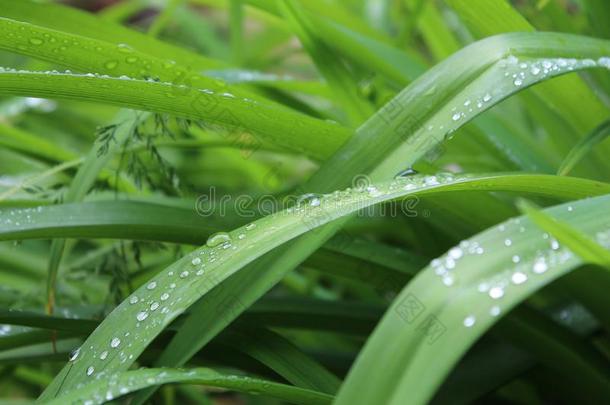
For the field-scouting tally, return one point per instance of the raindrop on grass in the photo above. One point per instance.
(36, 41)
(74, 354)
(104, 355)
(111, 64)
(496, 292)
(142, 315)
(115, 342)
(152, 285)
(518, 278)
(196, 261)
(218, 238)
(133, 300)
(184, 274)
(90, 370)
(469, 321)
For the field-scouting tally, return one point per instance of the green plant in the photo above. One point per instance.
(318, 181)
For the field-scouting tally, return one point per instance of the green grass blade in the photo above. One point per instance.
(452, 302)
(62, 18)
(266, 123)
(583, 147)
(579, 243)
(116, 386)
(150, 221)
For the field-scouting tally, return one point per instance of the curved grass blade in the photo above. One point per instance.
(107, 219)
(459, 296)
(117, 385)
(583, 147)
(258, 122)
(579, 243)
(283, 357)
(141, 317)
(62, 18)
(148, 221)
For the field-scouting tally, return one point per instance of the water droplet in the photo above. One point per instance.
(184, 274)
(133, 299)
(196, 261)
(154, 306)
(455, 253)
(90, 370)
(199, 272)
(496, 292)
(516, 259)
(164, 296)
(74, 354)
(456, 116)
(405, 173)
(540, 266)
(104, 355)
(218, 238)
(251, 226)
(115, 342)
(487, 97)
(518, 82)
(111, 64)
(518, 278)
(152, 285)
(494, 311)
(241, 236)
(142, 315)
(469, 321)
(131, 59)
(508, 242)
(36, 41)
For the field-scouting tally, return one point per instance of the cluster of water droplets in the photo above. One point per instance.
(19, 217)
(521, 73)
(518, 270)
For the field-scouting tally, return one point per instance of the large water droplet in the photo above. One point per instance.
(74, 354)
(218, 238)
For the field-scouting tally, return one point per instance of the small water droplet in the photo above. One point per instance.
(455, 253)
(133, 299)
(540, 266)
(152, 285)
(487, 97)
(196, 261)
(518, 278)
(494, 311)
(469, 321)
(496, 292)
(90, 370)
(184, 274)
(142, 315)
(115, 342)
(164, 296)
(36, 41)
(103, 355)
(111, 64)
(154, 306)
(251, 226)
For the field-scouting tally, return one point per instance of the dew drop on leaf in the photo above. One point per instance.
(218, 238)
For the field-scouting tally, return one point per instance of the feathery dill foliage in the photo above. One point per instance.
(305, 201)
